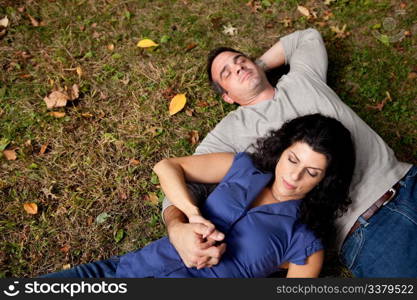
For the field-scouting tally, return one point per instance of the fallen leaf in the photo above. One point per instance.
(48, 193)
(57, 114)
(21, 9)
(202, 104)
(146, 43)
(328, 2)
(177, 104)
(403, 5)
(101, 218)
(412, 75)
(216, 22)
(155, 131)
(254, 5)
(10, 154)
(304, 10)
(96, 35)
(152, 198)
(193, 137)
(43, 149)
(134, 162)
(31, 208)
(379, 106)
(119, 235)
(66, 267)
(340, 33)
(3, 32)
(79, 71)
(65, 249)
(110, 47)
(74, 92)
(287, 22)
(4, 22)
(34, 22)
(189, 112)
(229, 29)
(103, 96)
(122, 195)
(56, 99)
(4, 143)
(87, 115)
(190, 47)
(407, 33)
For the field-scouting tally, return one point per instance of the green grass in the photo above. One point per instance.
(86, 169)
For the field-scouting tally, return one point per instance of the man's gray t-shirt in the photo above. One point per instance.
(304, 91)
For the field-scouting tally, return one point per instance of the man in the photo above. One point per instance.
(381, 246)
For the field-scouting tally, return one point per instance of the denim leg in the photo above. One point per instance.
(97, 269)
(385, 245)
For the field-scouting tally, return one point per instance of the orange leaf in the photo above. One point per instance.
(10, 154)
(177, 103)
(87, 115)
(31, 208)
(57, 114)
(34, 22)
(134, 162)
(43, 149)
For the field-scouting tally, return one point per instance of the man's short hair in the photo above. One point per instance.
(211, 56)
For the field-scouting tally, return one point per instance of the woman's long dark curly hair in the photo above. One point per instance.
(325, 135)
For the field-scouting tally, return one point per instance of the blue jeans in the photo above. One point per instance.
(386, 244)
(97, 269)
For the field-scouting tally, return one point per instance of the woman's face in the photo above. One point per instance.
(298, 171)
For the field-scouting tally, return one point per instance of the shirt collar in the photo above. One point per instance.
(286, 208)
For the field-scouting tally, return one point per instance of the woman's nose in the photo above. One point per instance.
(296, 174)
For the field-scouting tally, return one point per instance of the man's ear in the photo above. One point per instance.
(227, 98)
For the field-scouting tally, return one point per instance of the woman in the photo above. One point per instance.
(275, 206)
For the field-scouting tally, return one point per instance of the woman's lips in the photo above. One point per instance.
(287, 185)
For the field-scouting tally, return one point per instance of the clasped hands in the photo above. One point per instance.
(196, 242)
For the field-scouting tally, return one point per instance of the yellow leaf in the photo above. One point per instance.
(110, 47)
(87, 115)
(177, 103)
(303, 10)
(79, 71)
(146, 43)
(134, 162)
(10, 154)
(153, 198)
(31, 208)
(4, 22)
(57, 114)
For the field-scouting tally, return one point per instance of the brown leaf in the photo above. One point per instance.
(56, 99)
(103, 96)
(407, 33)
(122, 195)
(412, 75)
(65, 249)
(403, 5)
(110, 47)
(87, 115)
(31, 208)
(303, 10)
(34, 22)
(189, 112)
(57, 114)
(193, 137)
(66, 267)
(190, 47)
(340, 32)
(43, 149)
(10, 154)
(168, 93)
(254, 5)
(216, 22)
(21, 9)
(74, 92)
(134, 162)
(152, 198)
(202, 104)
(287, 22)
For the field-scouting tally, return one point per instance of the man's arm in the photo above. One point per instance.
(273, 58)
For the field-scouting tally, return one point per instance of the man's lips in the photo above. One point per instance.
(288, 185)
(245, 75)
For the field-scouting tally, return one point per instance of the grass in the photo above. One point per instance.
(122, 111)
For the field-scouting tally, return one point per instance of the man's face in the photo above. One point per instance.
(238, 76)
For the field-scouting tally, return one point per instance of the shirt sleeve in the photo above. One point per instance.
(302, 247)
(305, 52)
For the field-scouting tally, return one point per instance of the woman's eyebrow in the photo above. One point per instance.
(307, 167)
